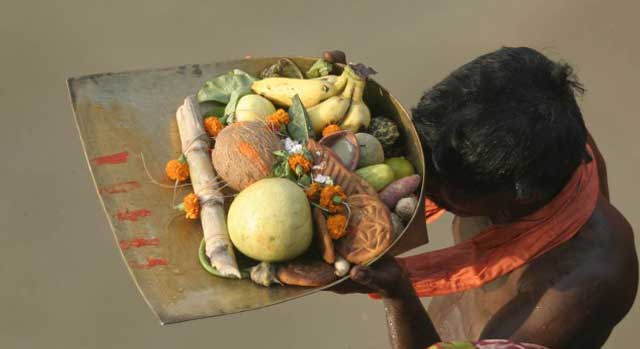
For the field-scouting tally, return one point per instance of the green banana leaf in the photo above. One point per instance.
(299, 123)
(227, 89)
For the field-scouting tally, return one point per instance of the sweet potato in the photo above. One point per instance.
(395, 191)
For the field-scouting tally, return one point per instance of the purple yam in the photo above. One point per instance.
(395, 191)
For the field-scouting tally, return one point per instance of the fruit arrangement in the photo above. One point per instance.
(293, 179)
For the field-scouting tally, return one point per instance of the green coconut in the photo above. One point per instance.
(270, 220)
(371, 152)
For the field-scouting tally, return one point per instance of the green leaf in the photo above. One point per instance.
(319, 68)
(305, 180)
(283, 68)
(281, 154)
(211, 109)
(299, 170)
(278, 171)
(337, 199)
(307, 154)
(299, 124)
(227, 89)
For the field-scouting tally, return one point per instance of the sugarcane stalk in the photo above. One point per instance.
(195, 147)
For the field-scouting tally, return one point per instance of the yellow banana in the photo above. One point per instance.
(358, 116)
(311, 91)
(332, 110)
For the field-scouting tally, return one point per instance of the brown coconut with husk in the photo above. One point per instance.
(243, 153)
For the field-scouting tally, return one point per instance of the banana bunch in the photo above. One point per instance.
(358, 116)
(329, 99)
(311, 91)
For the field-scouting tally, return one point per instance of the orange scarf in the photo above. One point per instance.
(502, 248)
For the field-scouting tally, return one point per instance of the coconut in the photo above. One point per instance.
(243, 153)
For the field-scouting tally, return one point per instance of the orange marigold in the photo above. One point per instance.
(191, 205)
(177, 170)
(336, 224)
(330, 129)
(280, 117)
(313, 192)
(299, 159)
(331, 198)
(213, 126)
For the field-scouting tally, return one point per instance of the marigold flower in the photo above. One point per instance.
(191, 206)
(296, 160)
(280, 117)
(331, 198)
(313, 192)
(213, 126)
(330, 129)
(336, 225)
(177, 170)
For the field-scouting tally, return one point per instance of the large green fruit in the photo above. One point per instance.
(253, 108)
(270, 220)
(379, 176)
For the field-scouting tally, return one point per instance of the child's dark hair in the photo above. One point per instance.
(508, 119)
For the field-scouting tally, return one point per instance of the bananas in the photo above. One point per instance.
(311, 91)
(329, 99)
(330, 111)
(358, 116)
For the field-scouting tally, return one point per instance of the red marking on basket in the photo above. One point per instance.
(128, 215)
(151, 262)
(125, 244)
(111, 159)
(117, 188)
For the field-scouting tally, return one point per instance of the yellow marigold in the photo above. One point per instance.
(336, 224)
(213, 126)
(313, 192)
(299, 159)
(331, 197)
(177, 170)
(280, 117)
(330, 129)
(191, 205)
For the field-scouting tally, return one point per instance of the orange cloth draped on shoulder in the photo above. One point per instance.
(502, 248)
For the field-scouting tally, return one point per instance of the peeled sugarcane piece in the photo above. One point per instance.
(195, 147)
(306, 272)
(369, 231)
(322, 236)
(327, 163)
